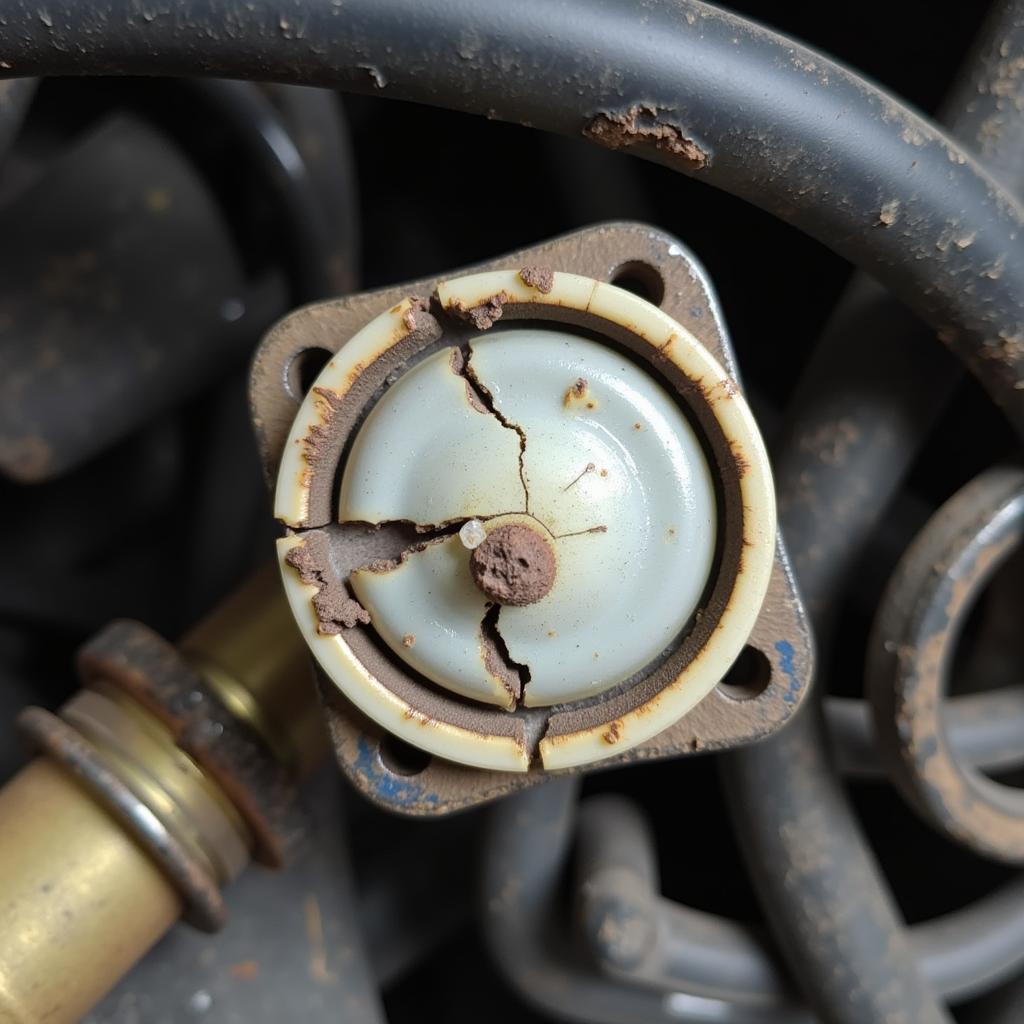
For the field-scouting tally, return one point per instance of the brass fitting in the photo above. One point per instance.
(121, 826)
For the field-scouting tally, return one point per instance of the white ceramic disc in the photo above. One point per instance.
(616, 481)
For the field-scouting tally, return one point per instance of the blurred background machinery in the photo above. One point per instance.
(860, 867)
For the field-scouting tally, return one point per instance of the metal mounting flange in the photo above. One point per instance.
(460, 437)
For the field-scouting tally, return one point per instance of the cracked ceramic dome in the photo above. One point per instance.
(530, 520)
(585, 463)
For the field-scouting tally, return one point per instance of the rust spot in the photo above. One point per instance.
(409, 640)
(417, 305)
(576, 393)
(889, 212)
(831, 442)
(354, 374)
(740, 460)
(319, 441)
(482, 316)
(515, 565)
(613, 733)
(591, 405)
(642, 123)
(638, 426)
(246, 970)
(604, 472)
(541, 278)
(335, 608)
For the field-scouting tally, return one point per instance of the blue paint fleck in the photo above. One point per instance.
(389, 788)
(787, 654)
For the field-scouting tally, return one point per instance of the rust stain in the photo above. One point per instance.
(245, 971)
(643, 123)
(613, 733)
(335, 608)
(318, 967)
(417, 305)
(889, 213)
(483, 315)
(577, 392)
(409, 640)
(541, 278)
(740, 460)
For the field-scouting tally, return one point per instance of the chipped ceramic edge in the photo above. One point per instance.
(291, 497)
(757, 493)
(362, 581)
(369, 695)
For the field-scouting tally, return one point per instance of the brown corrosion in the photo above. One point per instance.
(335, 608)
(541, 278)
(641, 123)
(576, 393)
(483, 315)
(417, 305)
(515, 565)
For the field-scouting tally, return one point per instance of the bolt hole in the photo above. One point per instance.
(749, 676)
(402, 758)
(303, 370)
(641, 279)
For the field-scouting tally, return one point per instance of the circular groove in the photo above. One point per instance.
(205, 906)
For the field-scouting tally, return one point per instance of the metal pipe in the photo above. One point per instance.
(698, 89)
(82, 899)
(857, 420)
(962, 953)
(528, 840)
(118, 829)
(985, 730)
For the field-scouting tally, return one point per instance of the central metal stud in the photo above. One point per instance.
(514, 565)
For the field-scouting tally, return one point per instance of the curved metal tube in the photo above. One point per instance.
(693, 87)
(910, 657)
(985, 730)
(962, 953)
(867, 399)
(266, 141)
(526, 847)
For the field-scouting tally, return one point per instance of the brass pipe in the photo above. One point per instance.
(80, 901)
(82, 895)
(250, 652)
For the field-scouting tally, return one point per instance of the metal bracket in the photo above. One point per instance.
(739, 711)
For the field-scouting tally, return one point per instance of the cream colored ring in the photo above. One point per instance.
(674, 343)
